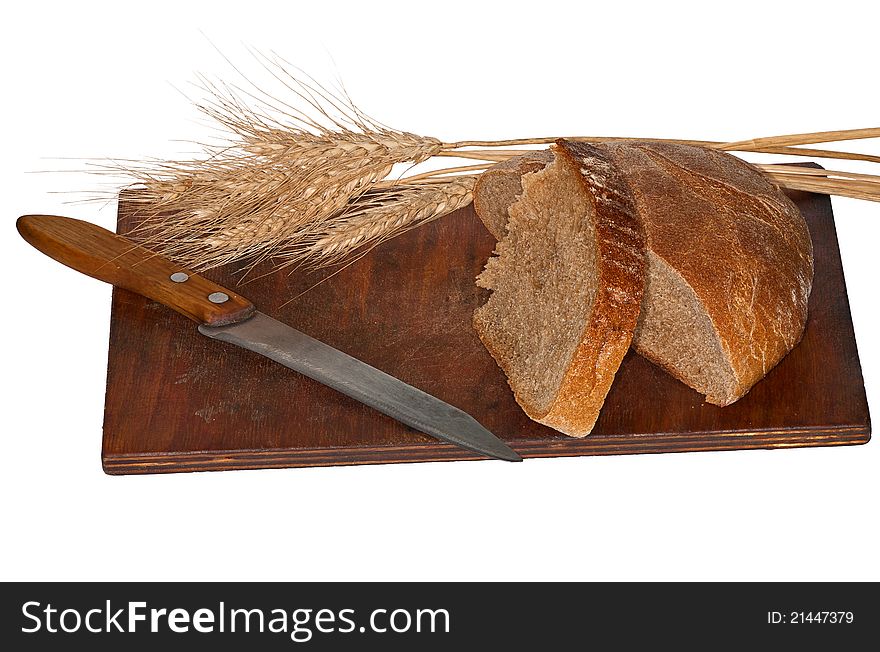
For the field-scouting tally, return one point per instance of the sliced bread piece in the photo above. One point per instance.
(566, 283)
(730, 262)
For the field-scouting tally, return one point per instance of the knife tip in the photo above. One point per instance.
(501, 451)
(484, 441)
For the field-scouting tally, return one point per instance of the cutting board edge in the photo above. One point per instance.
(158, 463)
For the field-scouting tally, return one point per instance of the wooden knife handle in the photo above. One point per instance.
(108, 257)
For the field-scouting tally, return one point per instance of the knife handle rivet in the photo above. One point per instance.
(218, 297)
(179, 277)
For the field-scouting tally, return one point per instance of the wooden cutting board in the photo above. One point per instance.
(177, 401)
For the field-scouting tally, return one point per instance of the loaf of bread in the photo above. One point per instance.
(567, 283)
(729, 259)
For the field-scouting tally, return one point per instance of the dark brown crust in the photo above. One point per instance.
(621, 277)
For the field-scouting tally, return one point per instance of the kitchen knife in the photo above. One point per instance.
(224, 315)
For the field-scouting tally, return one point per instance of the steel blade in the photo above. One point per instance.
(342, 372)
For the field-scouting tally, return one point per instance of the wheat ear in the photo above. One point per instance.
(374, 219)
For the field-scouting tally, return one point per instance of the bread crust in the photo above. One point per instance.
(757, 299)
(608, 333)
(701, 206)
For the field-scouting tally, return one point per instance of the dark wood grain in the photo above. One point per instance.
(103, 255)
(177, 401)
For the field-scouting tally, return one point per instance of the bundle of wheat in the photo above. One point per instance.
(312, 185)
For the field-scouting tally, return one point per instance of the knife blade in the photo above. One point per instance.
(224, 315)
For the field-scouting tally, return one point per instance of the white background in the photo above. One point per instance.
(101, 80)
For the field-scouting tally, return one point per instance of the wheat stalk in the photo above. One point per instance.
(832, 182)
(755, 144)
(506, 153)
